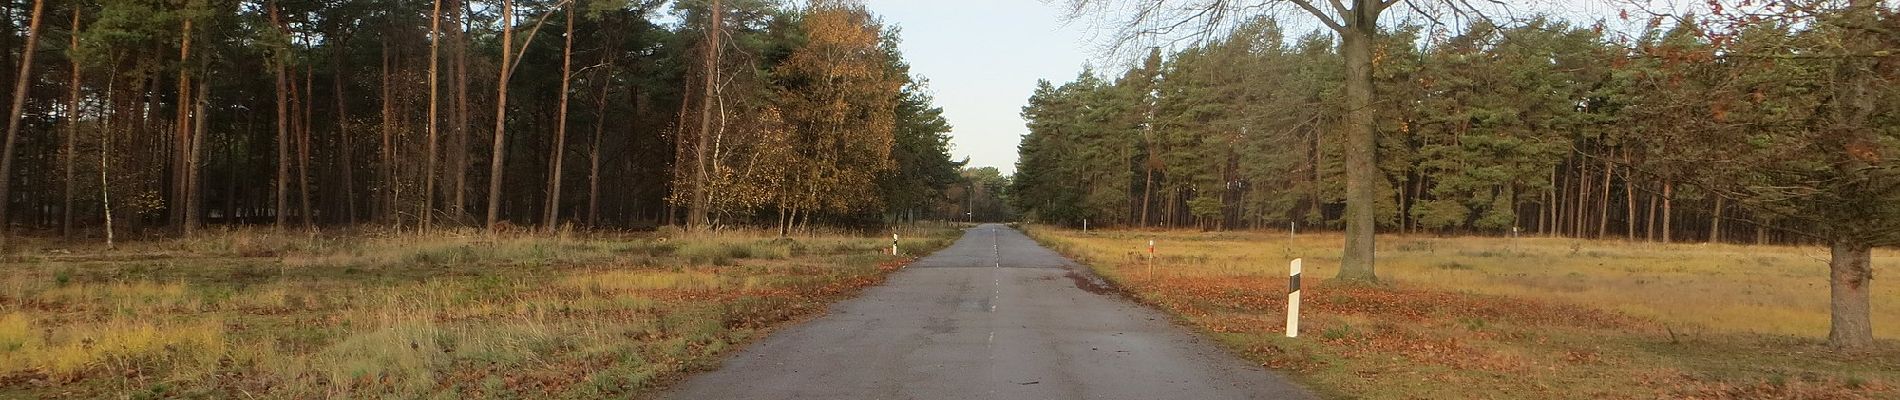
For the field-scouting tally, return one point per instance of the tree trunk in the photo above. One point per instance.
(386, 170)
(283, 130)
(560, 130)
(501, 114)
(105, 148)
(1603, 213)
(1362, 170)
(105, 185)
(181, 134)
(696, 212)
(1577, 214)
(303, 150)
(70, 147)
(1649, 228)
(194, 170)
(593, 155)
(458, 153)
(1668, 196)
(20, 84)
(1850, 277)
(1715, 221)
(231, 178)
(349, 147)
(1147, 187)
(429, 171)
(1629, 197)
(1549, 217)
(1851, 271)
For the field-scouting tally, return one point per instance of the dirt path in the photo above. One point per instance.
(994, 316)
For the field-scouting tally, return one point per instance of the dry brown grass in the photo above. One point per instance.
(1504, 318)
(456, 315)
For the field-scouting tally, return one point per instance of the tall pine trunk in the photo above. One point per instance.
(181, 132)
(282, 203)
(1649, 227)
(1715, 220)
(349, 146)
(560, 130)
(387, 169)
(593, 155)
(1577, 215)
(1629, 198)
(194, 168)
(69, 147)
(1603, 213)
(458, 148)
(1668, 196)
(501, 114)
(429, 171)
(303, 150)
(20, 84)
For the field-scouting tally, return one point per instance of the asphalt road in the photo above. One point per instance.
(995, 316)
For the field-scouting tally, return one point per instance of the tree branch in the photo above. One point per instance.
(1321, 15)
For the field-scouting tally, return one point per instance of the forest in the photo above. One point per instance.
(162, 117)
(1694, 129)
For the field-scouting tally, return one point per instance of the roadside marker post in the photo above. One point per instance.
(1085, 225)
(1151, 256)
(893, 244)
(1293, 300)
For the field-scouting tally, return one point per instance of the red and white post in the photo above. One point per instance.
(1293, 300)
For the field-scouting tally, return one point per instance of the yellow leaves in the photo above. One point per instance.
(839, 103)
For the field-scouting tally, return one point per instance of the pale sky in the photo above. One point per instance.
(983, 58)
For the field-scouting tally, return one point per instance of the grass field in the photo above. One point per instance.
(258, 315)
(1528, 318)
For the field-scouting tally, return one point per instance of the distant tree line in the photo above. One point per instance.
(162, 116)
(1546, 127)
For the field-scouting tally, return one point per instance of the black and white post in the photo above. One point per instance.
(1293, 300)
(893, 244)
